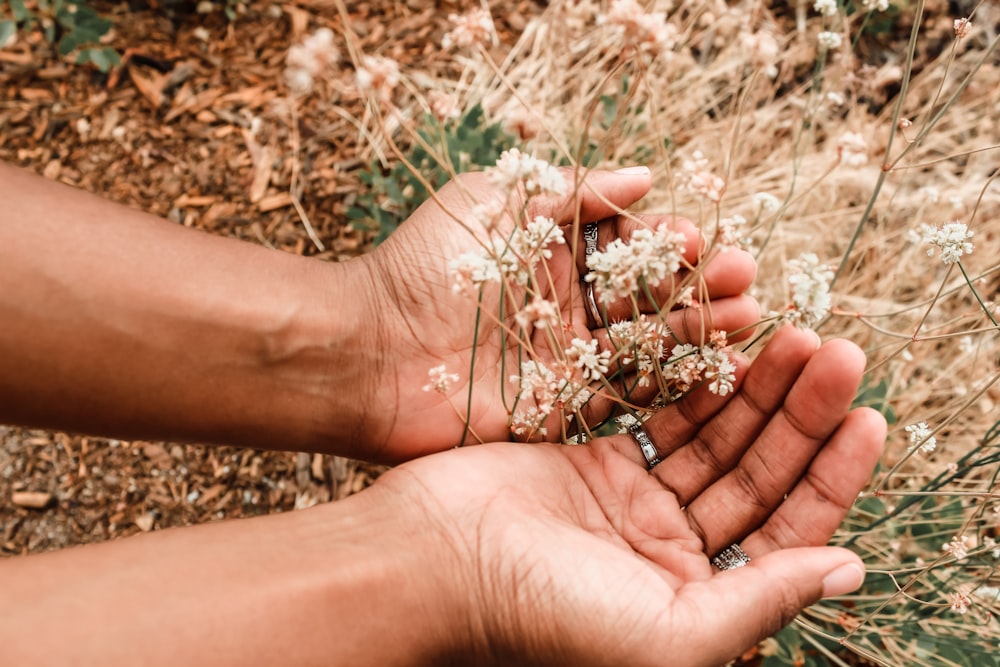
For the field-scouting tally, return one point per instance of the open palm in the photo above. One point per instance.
(584, 557)
(422, 324)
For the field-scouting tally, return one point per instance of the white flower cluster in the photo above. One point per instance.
(689, 364)
(696, 178)
(647, 32)
(957, 548)
(444, 106)
(470, 29)
(764, 51)
(852, 149)
(378, 76)
(827, 8)
(514, 168)
(540, 391)
(730, 232)
(440, 379)
(920, 436)
(959, 602)
(514, 258)
(309, 60)
(829, 40)
(640, 343)
(764, 201)
(962, 27)
(649, 257)
(875, 5)
(810, 283)
(952, 239)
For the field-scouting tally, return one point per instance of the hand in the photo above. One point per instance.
(579, 555)
(422, 324)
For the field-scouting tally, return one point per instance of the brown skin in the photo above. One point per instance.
(195, 337)
(496, 555)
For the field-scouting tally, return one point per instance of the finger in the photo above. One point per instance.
(682, 418)
(756, 601)
(820, 501)
(594, 194)
(709, 449)
(815, 407)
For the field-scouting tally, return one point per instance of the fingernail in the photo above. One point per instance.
(844, 579)
(633, 171)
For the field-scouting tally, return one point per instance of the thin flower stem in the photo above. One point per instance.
(979, 299)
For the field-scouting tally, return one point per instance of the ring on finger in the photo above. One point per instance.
(731, 558)
(590, 303)
(589, 239)
(646, 445)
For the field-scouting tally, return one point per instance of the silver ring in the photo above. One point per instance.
(731, 558)
(645, 445)
(590, 302)
(589, 239)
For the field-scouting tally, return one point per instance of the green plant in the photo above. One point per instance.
(465, 144)
(68, 24)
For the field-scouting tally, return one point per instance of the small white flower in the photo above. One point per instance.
(958, 548)
(444, 106)
(471, 271)
(440, 379)
(378, 76)
(719, 369)
(826, 8)
(952, 239)
(309, 60)
(835, 98)
(959, 602)
(584, 356)
(470, 29)
(852, 149)
(540, 313)
(829, 40)
(810, 283)
(962, 27)
(696, 178)
(764, 51)
(514, 168)
(763, 201)
(875, 5)
(930, 193)
(648, 32)
(731, 231)
(920, 436)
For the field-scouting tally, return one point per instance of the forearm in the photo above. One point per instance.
(119, 323)
(341, 584)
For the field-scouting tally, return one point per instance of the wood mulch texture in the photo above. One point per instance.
(195, 127)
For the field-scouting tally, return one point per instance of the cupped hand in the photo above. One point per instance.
(580, 555)
(422, 323)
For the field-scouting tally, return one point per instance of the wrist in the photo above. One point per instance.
(403, 575)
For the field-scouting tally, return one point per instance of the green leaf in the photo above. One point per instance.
(103, 59)
(7, 30)
(20, 12)
(68, 43)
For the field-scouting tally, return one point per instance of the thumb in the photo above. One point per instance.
(596, 194)
(751, 603)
